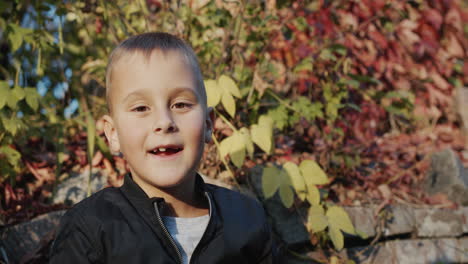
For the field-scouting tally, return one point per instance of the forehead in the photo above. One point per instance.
(137, 70)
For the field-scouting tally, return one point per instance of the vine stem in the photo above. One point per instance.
(281, 100)
(225, 162)
(225, 120)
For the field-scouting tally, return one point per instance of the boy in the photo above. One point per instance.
(164, 212)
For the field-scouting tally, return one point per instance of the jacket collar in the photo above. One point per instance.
(134, 192)
(144, 205)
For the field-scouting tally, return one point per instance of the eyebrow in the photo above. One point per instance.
(175, 91)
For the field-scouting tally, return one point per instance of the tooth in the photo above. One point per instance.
(162, 149)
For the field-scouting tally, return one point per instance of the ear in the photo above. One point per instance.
(209, 124)
(111, 134)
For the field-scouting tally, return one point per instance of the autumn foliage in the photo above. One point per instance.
(364, 88)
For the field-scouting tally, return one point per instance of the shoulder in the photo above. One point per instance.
(94, 208)
(236, 205)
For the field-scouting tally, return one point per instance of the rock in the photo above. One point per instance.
(22, 239)
(400, 221)
(287, 223)
(438, 222)
(448, 176)
(74, 188)
(449, 250)
(363, 219)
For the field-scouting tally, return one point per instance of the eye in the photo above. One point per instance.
(141, 108)
(181, 105)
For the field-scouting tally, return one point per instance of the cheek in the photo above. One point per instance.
(131, 132)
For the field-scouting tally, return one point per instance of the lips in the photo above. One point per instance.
(165, 150)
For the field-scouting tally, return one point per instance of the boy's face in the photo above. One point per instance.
(159, 121)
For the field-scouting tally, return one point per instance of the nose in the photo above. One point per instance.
(164, 122)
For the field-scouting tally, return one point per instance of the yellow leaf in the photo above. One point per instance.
(336, 237)
(296, 178)
(286, 195)
(313, 174)
(262, 133)
(229, 104)
(237, 150)
(338, 218)
(334, 260)
(316, 220)
(225, 146)
(247, 140)
(313, 195)
(213, 93)
(265, 121)
(270, 181)
(229, 85)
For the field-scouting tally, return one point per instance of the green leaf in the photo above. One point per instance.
(338, 218)
(270, 181)
(32, 98)
(286, 195)
(313, 174)
(4, 91)
(10, 125)
(237, 150)
(316, 220)
(336, 237)
(13, 156)
(213, 93)
(16, 37)
(229, 104)
(12, 100)
(228, 84)
(296, 178)
(313, 195)
(18, 92)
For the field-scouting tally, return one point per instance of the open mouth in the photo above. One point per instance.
(165, 151)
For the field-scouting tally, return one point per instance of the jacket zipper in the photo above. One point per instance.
(179, 255)
(209, 219)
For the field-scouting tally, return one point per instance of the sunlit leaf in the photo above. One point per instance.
(229, 104)
(312, 173)
(286, 195)
(12, 100)
(247, 140)
(213, 93)
(12, 155)
(225, 146)
(296, 178)
(338, 218)
(316, 220)
(270, 181)
(313, 195)
(237, 150)
(18, 92)
(16, 37)
(10, 125)
(336, 237)
(32, 98)
(228, 84)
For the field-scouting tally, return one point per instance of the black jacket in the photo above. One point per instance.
(122, 225)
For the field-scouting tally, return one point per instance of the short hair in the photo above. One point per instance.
(146, 43)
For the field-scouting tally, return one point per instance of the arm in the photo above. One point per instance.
(74, 243)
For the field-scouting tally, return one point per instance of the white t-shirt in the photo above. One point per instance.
(186, 232)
